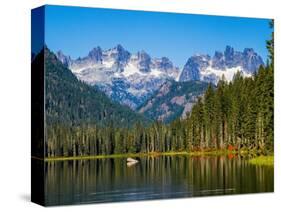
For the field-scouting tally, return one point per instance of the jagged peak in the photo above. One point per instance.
(60, 52)
(199, 57)
(249, 51)
(143, 55)
(228, 48)
(218, 54)
(119, 47)
(97, 48)
(142, 52)
(96, 53)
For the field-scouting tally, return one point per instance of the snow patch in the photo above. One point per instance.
(108, 63)
(131, 69)
(228, 73)
(155, 72)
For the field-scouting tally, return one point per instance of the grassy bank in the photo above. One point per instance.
(151, 154)
(262, 161)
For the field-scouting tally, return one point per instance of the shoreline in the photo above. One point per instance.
(151, 154)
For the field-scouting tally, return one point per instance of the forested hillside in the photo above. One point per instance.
(71, 102)
(238, 114)
(173, 100)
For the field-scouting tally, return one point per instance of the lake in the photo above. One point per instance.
(111, 180)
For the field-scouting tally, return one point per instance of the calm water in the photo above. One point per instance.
(107, 180)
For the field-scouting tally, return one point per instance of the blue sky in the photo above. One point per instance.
(76, 30)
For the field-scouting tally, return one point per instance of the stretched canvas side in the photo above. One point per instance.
(37, 105)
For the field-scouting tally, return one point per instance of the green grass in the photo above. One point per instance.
(92, 157)
(104, 156)
(151, 154)
(262, 161)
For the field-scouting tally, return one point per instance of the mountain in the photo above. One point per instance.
(227, 63)
(131, 79)
(125, 77)
(172, 100)
(69, 101)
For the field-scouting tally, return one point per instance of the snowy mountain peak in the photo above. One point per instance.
(229, 52)
(193, 67)
(95, 54)
(144, 61)
(118, 53)
(119, 47)
(125, 77)
(164, 63)
(249, 51)
(227, 63)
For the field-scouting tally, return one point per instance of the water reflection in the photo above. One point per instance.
(106, 180)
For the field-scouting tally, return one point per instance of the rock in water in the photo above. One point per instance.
(130, 160)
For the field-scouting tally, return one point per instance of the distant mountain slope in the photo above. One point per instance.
(211, 69)
(173, 100)
(71, 102)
